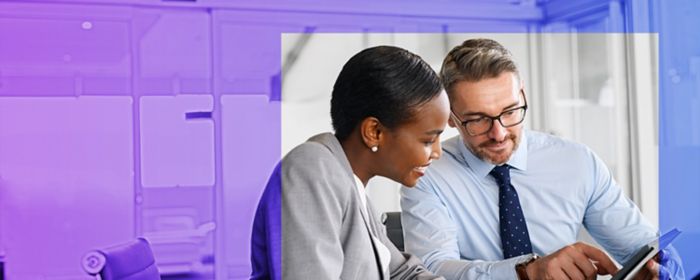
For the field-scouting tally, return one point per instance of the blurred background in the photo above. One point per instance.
(164, 119)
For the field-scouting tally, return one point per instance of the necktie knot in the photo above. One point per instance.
(502, 175)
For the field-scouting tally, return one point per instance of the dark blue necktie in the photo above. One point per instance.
(515, 239)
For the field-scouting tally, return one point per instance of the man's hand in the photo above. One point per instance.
(577, 261)
(649, 271)
(653, 268)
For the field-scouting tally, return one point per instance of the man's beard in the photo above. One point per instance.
(482, 153)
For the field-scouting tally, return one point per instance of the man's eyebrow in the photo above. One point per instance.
(484, 114)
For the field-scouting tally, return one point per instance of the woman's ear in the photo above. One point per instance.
(371, 131)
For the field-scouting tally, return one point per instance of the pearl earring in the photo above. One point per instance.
(374, 149)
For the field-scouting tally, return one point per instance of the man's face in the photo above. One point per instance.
(488, 97)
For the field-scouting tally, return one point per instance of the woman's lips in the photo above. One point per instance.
(421, 169)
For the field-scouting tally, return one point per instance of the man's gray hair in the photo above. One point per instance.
(475, 60)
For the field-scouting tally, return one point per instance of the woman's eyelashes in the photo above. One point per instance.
(430, 142)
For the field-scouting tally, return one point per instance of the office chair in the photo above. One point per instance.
(129, 261)
(394, 229)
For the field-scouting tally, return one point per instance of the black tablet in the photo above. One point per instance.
(633, 265)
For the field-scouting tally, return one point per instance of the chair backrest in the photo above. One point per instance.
(394, 230)
(129, 261)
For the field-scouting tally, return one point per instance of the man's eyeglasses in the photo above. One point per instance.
(484, 123)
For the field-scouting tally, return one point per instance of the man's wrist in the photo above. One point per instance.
(521, 268)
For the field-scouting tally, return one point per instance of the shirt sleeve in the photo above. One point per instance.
(671, 264)
(615, 221)
(431, 234)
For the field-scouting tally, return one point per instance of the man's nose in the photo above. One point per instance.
(497, 132)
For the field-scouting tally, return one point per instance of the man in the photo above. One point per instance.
(501, 196)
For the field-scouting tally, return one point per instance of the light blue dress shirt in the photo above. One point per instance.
(450, 219)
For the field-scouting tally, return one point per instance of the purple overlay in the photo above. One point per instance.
(161, 119)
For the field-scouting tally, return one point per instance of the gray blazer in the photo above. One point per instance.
(324, 231)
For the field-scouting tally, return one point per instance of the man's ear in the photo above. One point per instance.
(450, 121)
(371, 131)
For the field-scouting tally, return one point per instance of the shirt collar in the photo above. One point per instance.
(360, 190)
(482, 168)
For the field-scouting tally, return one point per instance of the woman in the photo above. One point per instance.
(388, 110)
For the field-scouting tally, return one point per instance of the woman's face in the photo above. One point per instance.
(407, 150)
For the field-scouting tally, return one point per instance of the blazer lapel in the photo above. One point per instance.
(372, 232)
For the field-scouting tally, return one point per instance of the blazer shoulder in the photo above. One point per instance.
(314, 163)
(307, 153)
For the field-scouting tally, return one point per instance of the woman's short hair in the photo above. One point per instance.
(384, 82)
